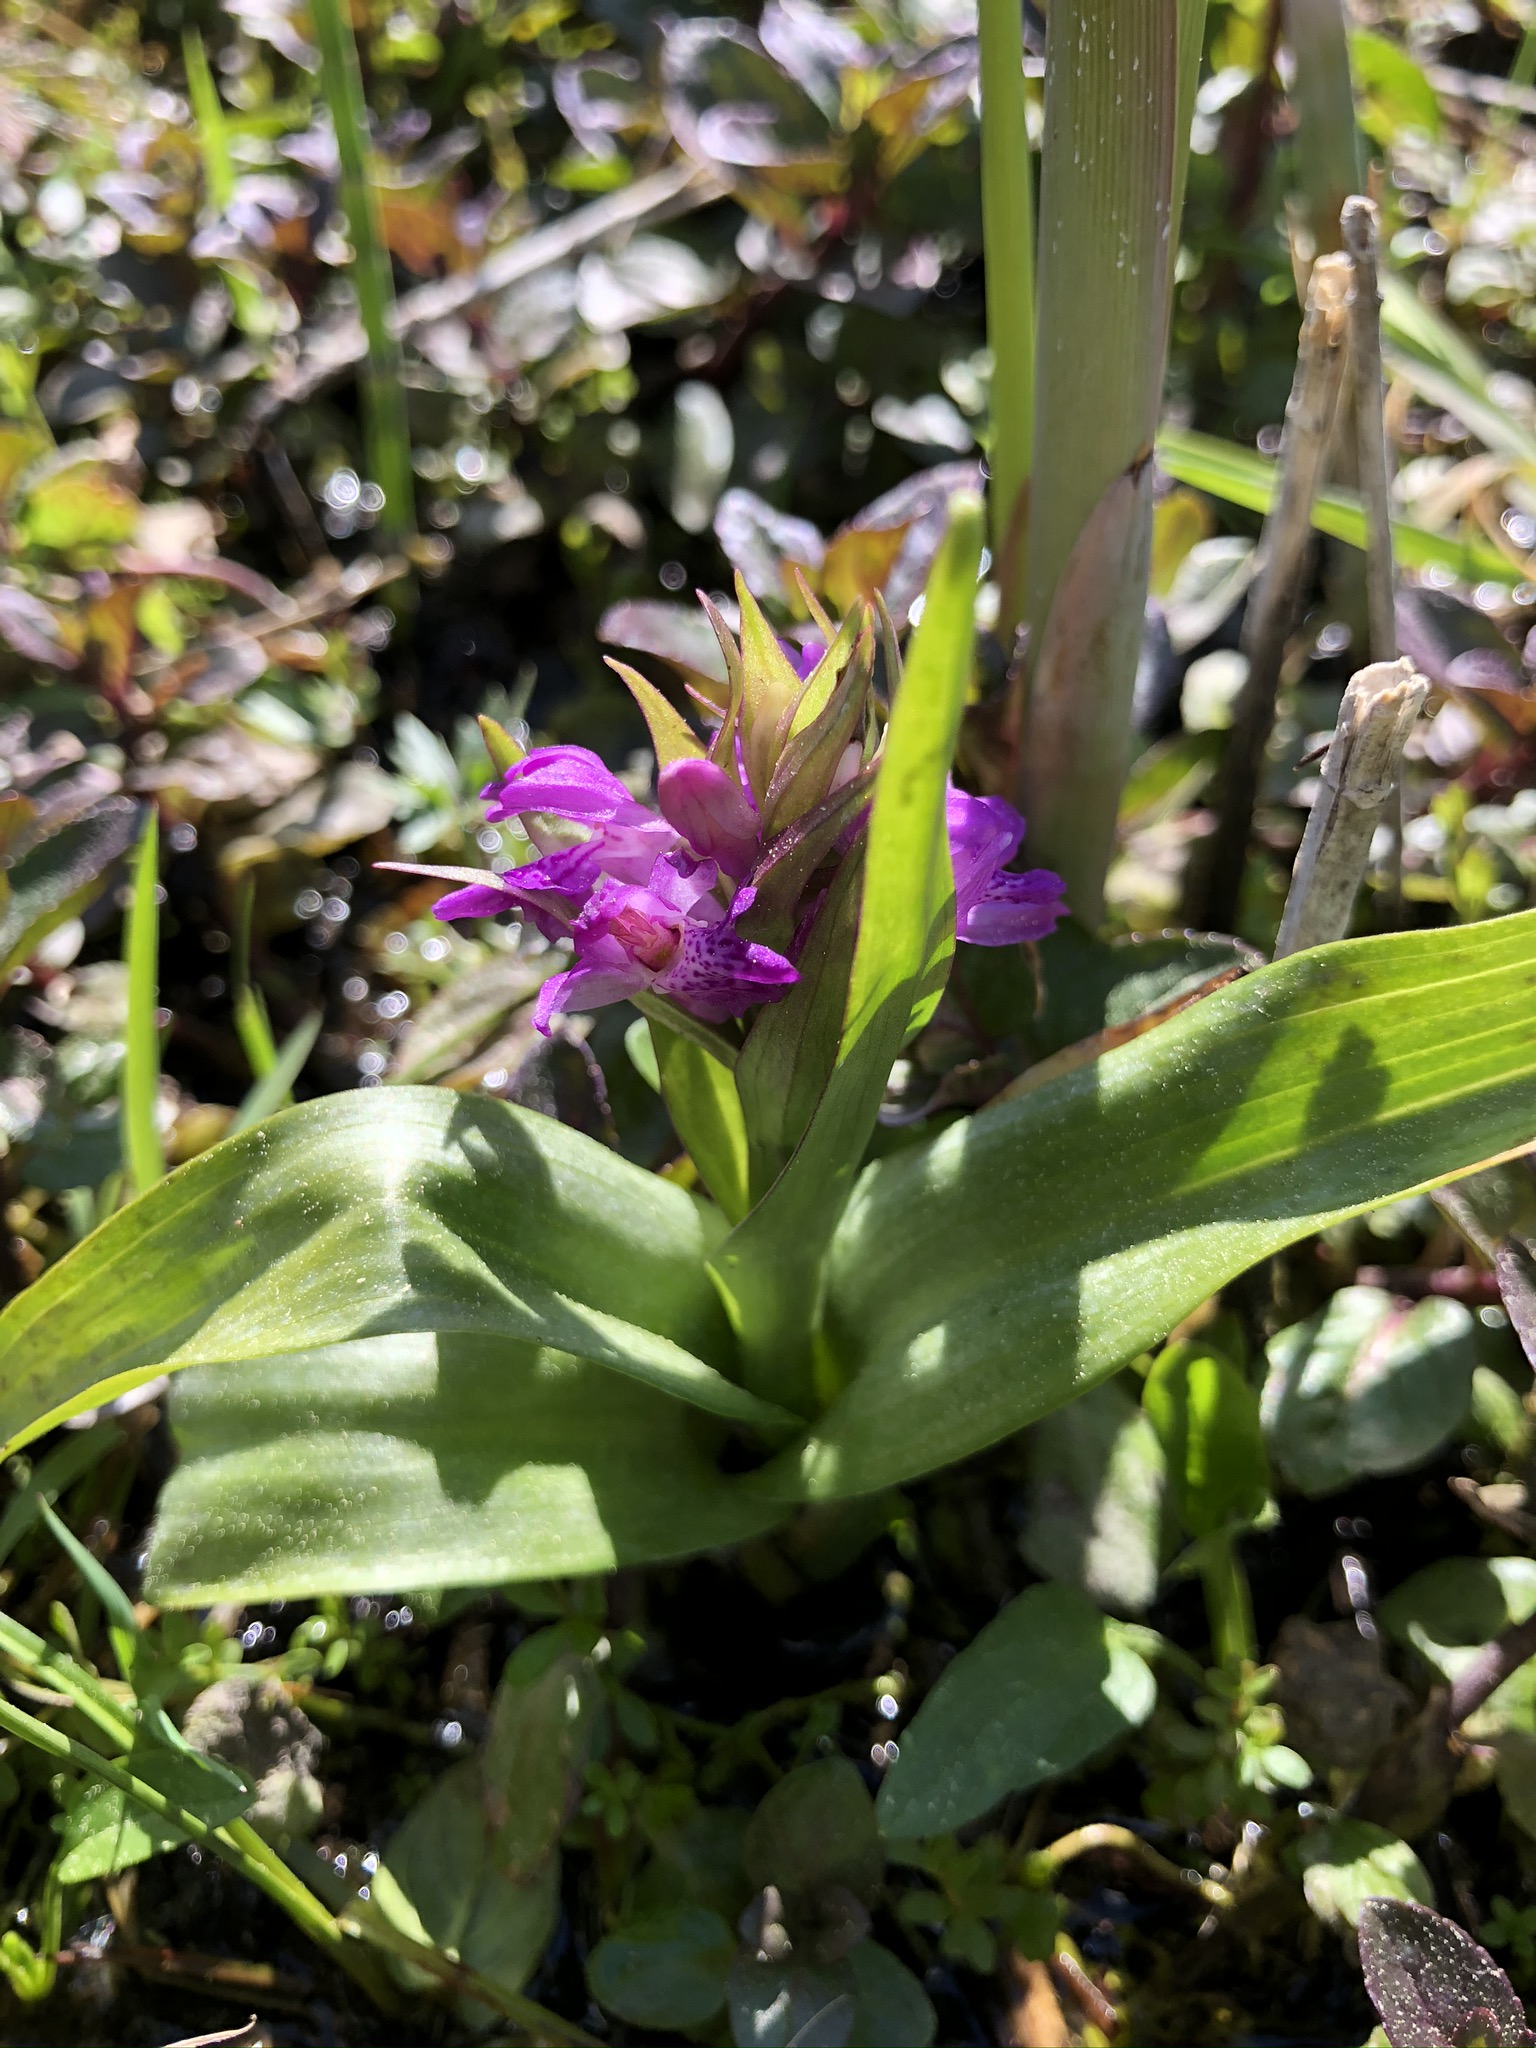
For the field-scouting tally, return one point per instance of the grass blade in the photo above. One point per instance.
(386, 430)
(140, 1089)
(212, 129)
(273, 1088)
(1241, 477)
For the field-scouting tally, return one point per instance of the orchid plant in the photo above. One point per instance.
(443, 1339)
(440, 1339)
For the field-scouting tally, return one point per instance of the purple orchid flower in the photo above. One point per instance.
(673, 936)
(805, 658)
(712, 812)
(572, 784)
(993, 908)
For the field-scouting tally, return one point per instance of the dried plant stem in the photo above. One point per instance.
(1309, 422)
(1361, 222)
(1488, 1670)
(1359, 774)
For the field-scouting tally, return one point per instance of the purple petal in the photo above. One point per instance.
(718, 974)
(984, 835)
(586, 988)
(711, 813)
(687, 885)
(563, 782)
(1014, 908)
(805, 658)
(481, 899)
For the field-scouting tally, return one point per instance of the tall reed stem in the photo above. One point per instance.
(1008, 232)
(1112, 164)
(386, 430)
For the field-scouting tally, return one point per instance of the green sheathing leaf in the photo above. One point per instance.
(413, 1209)
(769, 1268)
(426, 1460)
(705, 1108)
(979, 1283)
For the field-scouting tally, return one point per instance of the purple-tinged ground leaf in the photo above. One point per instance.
(1432, 1984)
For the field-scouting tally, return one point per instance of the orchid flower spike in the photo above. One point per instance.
(653, 899)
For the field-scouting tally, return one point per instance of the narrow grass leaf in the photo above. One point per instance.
(140, 1085)
(274, 1089)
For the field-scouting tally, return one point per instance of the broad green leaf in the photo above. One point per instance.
(1241, 477)
(1038, 1692)
(1450, 1609)
(665, 1970)
(106, 1831)
(814, 1832)
(1207, 1419)
(1396, 99)
(82, 506)
(539, 1742)
(1345, 1862)
(425, 1460)
(701, 1098)
(1366, 1386)
(1094, 1500)
(770, 1267)
(440, 1885)
(983, 1280)
(368, 1215)
(893, 2008)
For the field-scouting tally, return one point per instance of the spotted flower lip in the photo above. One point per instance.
(673, 936)
(992, 907)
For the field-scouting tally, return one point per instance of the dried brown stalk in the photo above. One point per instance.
(1359, 773)
(1309, 423)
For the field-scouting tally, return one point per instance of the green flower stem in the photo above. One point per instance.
(385, 427)
(1008, 231)
(1227, 1604)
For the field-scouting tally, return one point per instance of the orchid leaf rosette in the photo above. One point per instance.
(440, 1339)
